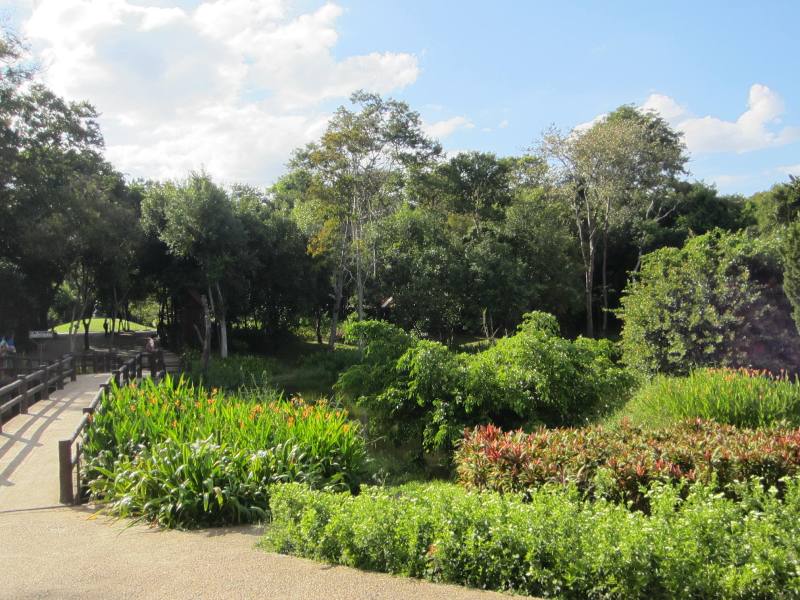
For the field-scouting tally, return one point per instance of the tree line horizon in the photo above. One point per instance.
(373, 218)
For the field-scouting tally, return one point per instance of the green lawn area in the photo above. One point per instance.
(97, 326)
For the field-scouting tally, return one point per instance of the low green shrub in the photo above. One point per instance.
(694, 544)
(420, 390)
(619, 463)
(738, 397)
(181, 456)
(232, 373)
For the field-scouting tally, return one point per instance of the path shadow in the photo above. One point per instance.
(29, 444)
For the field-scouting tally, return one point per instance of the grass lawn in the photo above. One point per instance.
(97, 326)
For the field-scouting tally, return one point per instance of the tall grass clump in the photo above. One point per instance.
(235, 372)
(182, 456)
(694, 543)
(741, 397)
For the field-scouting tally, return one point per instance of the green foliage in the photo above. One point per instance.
(695, 544)
(776, 207)
(232, 373)
(383, 345)
(179, 456)
(619, 463)
(704, 305)
(538, 375)
(423, 266)
(420, 390)
(791, 273)
(736, 397)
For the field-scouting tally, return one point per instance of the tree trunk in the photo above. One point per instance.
(318, 325)
(338, 284)
(605, 276)
(586, 237)
(223, 324)
(205, 338)
(86, 324)
(588, 290)
(73, 328)
(114, 318)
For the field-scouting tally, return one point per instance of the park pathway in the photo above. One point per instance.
(48, 550)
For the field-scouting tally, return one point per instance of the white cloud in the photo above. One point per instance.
(756, 128)
(580, 127)
(503, 124)
(447, 127)
(233, 85)
(668, 108)
(790, 169)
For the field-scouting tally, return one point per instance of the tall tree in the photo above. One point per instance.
(616, 170)
(197, 221)
(358, 168)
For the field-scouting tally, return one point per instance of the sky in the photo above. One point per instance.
(233, 86)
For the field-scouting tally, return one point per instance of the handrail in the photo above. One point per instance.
(35, 386)
(69, 464)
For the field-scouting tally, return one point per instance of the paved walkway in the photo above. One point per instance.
(53, 551)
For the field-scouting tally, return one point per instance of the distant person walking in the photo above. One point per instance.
(105, 327)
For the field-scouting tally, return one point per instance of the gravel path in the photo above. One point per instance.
(53, 551)
(72, 553)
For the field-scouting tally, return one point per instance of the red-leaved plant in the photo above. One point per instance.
(620, 463)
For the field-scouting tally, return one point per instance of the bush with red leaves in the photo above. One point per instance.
(619, 464)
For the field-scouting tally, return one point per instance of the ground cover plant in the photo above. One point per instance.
(418, 389)
(742, 397)
(183, 456)
(619, 463)
(694, 543)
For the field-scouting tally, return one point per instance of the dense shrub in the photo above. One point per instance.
(694, 544)
(737, 397)
(618, 463)
(715, 302)
(232, 373)
(181, 456)
(420, 390)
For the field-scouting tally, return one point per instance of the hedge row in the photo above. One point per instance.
(617, 463)
(554, 544)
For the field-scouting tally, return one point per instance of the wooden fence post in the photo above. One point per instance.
(23, 391)
(65, 471)
(60, 374)
(46, 382)
(73, 372)
(139, 365)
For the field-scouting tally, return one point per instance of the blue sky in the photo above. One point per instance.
(236, 84)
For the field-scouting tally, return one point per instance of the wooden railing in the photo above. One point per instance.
(14, 365)
(69, 463)
(16, 397)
